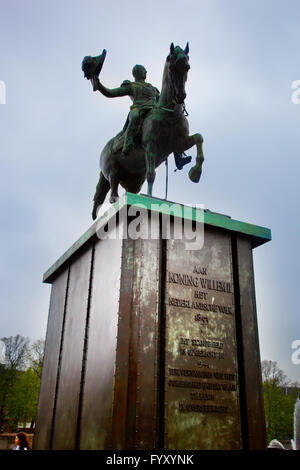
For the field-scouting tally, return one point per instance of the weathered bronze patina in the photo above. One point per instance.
(156, 127)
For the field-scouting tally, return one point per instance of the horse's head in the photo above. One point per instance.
(178, 61)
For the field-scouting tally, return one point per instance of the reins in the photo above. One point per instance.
(173, 102)
(183, 111)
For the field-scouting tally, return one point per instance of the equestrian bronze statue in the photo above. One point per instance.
(155, 128)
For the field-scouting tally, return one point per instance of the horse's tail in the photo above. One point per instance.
(102, 189)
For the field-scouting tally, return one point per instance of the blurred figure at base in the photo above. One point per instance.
(21, 441)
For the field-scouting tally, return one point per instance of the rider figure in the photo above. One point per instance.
(144, 96)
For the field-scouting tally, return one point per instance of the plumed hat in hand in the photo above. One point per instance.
(92, 66)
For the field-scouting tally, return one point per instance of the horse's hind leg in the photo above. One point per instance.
(102, 189)
(150, 165)
(134, 186)
(196, 170)
(114, 180)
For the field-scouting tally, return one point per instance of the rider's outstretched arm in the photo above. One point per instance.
(110, 92)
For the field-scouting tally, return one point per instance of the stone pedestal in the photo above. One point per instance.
(152, 340)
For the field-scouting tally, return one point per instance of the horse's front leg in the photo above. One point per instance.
(190, 141)
(150, 156)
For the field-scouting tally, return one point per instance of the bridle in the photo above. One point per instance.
(171, 106)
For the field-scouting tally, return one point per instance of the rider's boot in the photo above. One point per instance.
(180, 161)
(131, 131)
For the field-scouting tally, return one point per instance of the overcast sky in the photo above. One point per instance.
(244, 57)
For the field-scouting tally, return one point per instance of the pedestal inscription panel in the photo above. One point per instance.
(202, 408)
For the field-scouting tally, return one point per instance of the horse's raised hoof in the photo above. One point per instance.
(195, 174)
(113, 199)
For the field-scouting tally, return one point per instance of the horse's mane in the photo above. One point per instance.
(165, 80)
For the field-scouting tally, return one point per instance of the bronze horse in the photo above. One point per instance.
(165, 130)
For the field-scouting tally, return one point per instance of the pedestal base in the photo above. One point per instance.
(152, 341)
